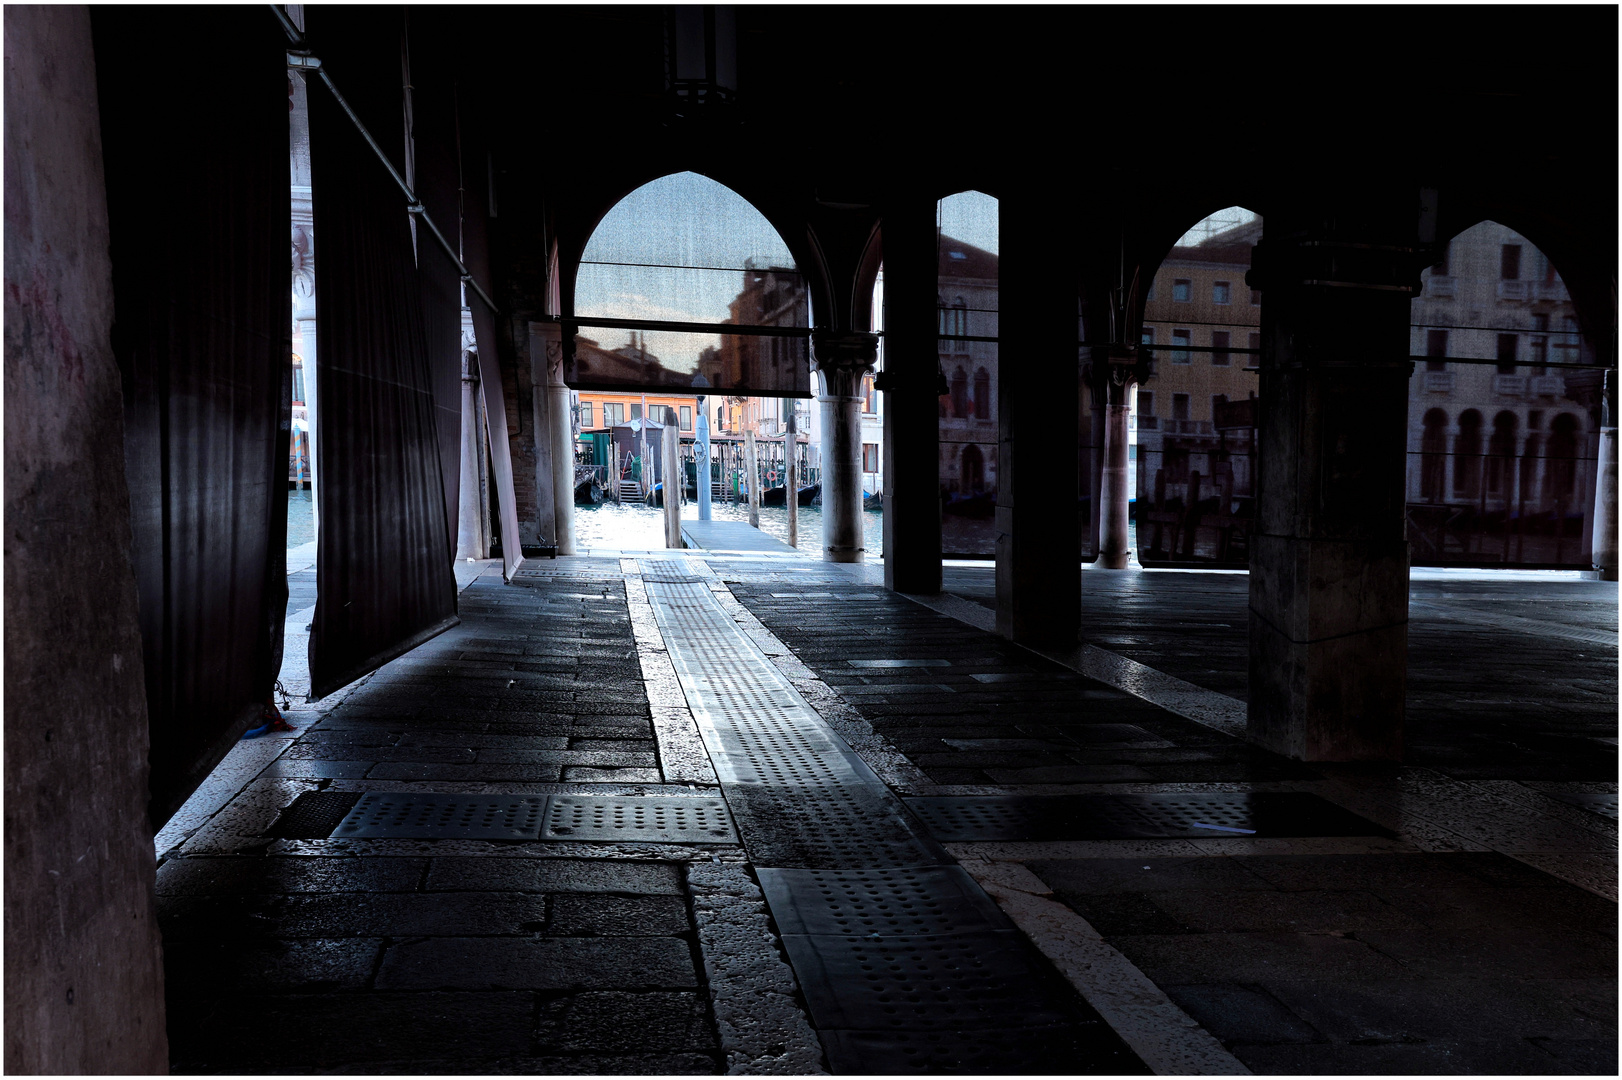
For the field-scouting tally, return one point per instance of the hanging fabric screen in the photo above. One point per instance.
(203, 336)
(384, 560)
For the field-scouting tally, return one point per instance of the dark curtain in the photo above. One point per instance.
(384, 560)
(196, 157)
(430, 38)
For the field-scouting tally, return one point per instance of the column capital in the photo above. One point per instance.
(843, 357)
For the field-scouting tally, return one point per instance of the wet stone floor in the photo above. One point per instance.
(939, 852)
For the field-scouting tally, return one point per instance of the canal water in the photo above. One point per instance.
(634, 527)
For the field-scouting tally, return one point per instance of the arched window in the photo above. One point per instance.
(1201, 334)
(982, 394)
(691, 253)
(1467, 455)
(960, 394)
(1501, 453)
(1433, 456)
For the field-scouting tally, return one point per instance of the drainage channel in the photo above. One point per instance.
(907, 966)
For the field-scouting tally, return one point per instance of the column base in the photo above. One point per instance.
(844, 555)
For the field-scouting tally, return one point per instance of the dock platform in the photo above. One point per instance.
(731, 536)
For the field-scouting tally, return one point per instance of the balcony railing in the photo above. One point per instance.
(1512, 290)
(1548, 385)
(1509, 385)
(1439, 286)
(1439, 382)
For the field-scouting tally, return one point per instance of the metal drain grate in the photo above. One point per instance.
(1118, 817)
(856, 826)
(662, 821)
(889, 903)
(949, 982)
(1087, 1049)
(438, 816)
(313, 815)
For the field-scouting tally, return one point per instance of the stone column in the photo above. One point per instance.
(304, 270)
(1114, 376)
(842, 359)
(84, 959)
(1039, 512)
(911, 384)
(670, 475)
(1605, 499)
(1329, 555)
(560, 415)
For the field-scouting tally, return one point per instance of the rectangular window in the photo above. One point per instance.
(1509, 262)
(1148, 335)
(1219, 347)
(585, 415)
(636, 412)
(870, 457)
(298, 386)
(1508, 346)
(1182, 290)
(687, 418)
(1180, 341)
(1221, 292)
(1179, 406)
(1255, 298)
(1217, 399)
(1255, 343)
(613, 413)
(1146, 403)
(870, 397)
(1439, 268)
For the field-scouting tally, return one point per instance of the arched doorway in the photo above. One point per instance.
(1433, 454)
(972, 471)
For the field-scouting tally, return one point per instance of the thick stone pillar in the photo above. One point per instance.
(842, 359)
(84, 960)
(560, 433)
(1605, 497)
(912, 386)
(1039, 512)
(1329, 555)
(1113, 378)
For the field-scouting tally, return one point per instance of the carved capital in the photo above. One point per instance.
(843, 357)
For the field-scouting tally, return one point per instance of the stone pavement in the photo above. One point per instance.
(1456, 917)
